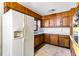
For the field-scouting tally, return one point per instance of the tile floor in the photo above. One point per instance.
(50, 50)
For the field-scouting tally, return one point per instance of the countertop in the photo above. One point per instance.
(37, 33)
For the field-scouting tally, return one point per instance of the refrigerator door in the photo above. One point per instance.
(28, 36)
(18, 41)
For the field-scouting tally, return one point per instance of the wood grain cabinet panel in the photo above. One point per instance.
(46, 23)
(38, 40)
(64, 41)
(54, 39)
(52, 23)
(65, 21)
(46, 38)
(60, 40)
(57, 20)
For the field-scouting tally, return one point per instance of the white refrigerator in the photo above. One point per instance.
(18, 34)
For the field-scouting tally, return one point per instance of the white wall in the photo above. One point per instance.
(1, 12)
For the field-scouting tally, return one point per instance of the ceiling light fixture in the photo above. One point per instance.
(51, 10)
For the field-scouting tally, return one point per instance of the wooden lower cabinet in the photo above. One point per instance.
(60, 40)
(64, 41)
(46, 38)
(54, 39)
(38, 39)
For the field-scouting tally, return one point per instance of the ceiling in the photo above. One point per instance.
(45, 8)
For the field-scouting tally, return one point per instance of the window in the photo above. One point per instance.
(36, 25)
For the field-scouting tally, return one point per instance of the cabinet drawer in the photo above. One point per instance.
(64, 36)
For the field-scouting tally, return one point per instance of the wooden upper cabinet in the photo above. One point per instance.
(54, 39)
(58, 23)
(57, 20)
(53, 21)
(46, 23)
(65, 21)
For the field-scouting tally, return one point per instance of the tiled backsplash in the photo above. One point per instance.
(61, 31)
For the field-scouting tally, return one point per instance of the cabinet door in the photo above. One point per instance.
(58, 22)
(54, 39)
(65, 21)
(40, 39)
(46, 23)
(46, 38)
(64, 41)
(59, 19)
(53, 21)
(36, 40)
